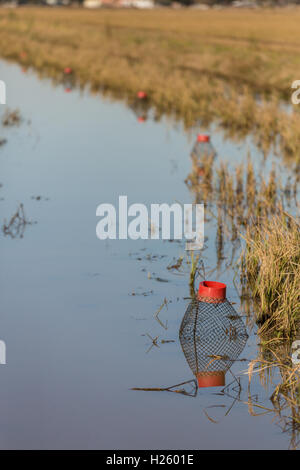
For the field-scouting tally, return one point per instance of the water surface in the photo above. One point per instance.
(76, 335)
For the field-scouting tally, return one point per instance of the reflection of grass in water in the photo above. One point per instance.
(240, 193)
(195, 264)
(208, 65)
(285, 398)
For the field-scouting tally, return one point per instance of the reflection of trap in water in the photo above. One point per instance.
(140, 107)
(203, 148)
(68, 80)
(212, 335)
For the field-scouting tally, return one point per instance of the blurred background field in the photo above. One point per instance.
(232, 66)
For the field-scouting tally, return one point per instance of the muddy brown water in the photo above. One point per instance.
(76, 336)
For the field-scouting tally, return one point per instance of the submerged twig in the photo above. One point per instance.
(15, 228)
(172, 388)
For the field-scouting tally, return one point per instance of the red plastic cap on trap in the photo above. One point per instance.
(203, 138)
(212, 290)
(142, 95)
(211, 379)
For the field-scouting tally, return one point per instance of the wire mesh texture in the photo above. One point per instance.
(212, 336)
(203, 150)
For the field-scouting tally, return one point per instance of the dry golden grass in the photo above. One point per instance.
(253, 208)
(271, 266)
(243, 196)
(229, 66)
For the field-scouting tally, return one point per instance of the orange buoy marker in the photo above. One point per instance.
(203, 149)
(142, 95)
(212, 291)
(203, 138)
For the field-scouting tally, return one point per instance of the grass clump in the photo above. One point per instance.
(271, 268)
(242, 195)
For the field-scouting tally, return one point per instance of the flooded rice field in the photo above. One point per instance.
(85, 321)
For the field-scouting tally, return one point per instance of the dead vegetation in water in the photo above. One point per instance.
(238, 198)
(11, 118)
(156, 314)
(253, 211)
(188, 388)
(239, 192)
(209, 66)
(275, 359)
(16, 226)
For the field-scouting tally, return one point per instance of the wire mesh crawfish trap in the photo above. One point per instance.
(140, 106)
(212, 335)
(203, 148)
